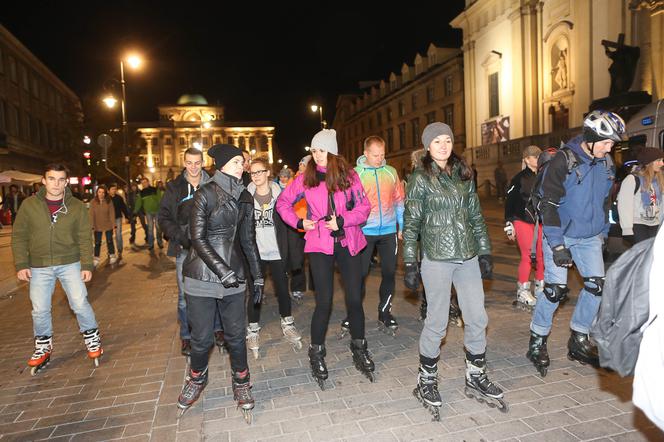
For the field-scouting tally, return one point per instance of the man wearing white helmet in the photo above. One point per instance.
(574, 210)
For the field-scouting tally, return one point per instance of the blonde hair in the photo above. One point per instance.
(648, 173)
(416, 158)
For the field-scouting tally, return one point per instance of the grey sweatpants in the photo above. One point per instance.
(438, 277)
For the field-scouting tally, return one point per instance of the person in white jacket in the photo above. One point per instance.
(640, 202)
(648, 382)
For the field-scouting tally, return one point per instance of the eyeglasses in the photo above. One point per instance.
(258, 172)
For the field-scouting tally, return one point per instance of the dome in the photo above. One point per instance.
(192, 100)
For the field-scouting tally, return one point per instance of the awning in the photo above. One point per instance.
(16, 176)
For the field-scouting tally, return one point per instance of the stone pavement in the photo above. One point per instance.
(132, 395)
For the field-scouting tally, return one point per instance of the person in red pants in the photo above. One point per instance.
(520, 226)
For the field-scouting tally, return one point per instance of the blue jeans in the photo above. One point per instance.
(185, 332)
(587, 255)
(151, 219)
(118, 234)
(42, 285)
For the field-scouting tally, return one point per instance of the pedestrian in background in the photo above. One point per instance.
(120, 209)
(640, 204)
(12, 201)
(500, 176)
(132, 195)
(297, 272)
(102, 214)
(148, 200)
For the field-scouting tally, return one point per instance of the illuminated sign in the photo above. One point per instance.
(647, 121)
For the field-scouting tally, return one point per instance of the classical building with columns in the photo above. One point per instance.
(532, 68)
(192, 122)
(399, 107)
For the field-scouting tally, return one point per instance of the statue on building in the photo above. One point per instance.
(560, 75)
(623, 67)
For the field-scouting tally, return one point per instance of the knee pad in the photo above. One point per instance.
(594, 285)
(555, 292)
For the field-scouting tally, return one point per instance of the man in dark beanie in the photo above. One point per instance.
(222, 236)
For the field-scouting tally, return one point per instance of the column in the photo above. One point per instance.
(270, 158)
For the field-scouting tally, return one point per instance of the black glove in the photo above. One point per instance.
(486, 266)
(411, 276)
(259, 285)
(230, 280)
(185, 242)
(629, 239)
(562, 257)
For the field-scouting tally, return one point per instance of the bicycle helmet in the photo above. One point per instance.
(603, 125)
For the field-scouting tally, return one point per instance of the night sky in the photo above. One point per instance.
(261, 63)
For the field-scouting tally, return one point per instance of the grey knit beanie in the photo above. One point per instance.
(531, 151)
(434, 130)
(326, 139)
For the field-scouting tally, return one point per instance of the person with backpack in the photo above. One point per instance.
(442, 210)
(573, 205)
(640, 205)
(520, 226)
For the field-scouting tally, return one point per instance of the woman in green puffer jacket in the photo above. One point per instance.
(443, 209)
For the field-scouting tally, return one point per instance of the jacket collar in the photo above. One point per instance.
(274, 187)
(229, 184)
(362, 162)
(41, 194)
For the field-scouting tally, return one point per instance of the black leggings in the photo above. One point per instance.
(109, 242)
(201, 312)
(350, 268)
(280, 281)
(387, 250)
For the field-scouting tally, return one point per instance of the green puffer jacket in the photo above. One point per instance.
(444, 213)
(39, 242)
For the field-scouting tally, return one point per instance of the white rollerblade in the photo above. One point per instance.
(524, 298)
(290, 332)
(253, 339)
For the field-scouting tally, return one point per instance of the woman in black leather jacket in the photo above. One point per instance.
(222, 236)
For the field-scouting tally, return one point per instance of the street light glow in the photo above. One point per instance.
(87, 140)
(110, 101)
(280, 161)
(253, 151)
(207, 125)
(307, 148)
(198, 145)
(314, 108)
(134, 61)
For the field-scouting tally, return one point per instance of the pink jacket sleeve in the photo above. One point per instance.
(362, 208)
(287, 198)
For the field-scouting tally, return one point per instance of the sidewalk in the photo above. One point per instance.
(132, 395)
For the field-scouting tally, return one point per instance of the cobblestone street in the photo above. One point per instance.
(132, 395)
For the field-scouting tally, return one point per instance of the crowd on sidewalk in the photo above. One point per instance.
(228, 228)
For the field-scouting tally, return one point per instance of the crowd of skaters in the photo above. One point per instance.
(228, 228)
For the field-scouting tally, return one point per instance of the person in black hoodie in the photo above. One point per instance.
(520, 226)
(173, 217)
(120, 209)
(221, 226)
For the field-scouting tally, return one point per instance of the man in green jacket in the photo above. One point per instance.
(51, 240)
(149, 199)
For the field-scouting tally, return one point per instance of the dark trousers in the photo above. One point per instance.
(109, 242)
(201, 313)
(280, 281)
(350, 268)
(387, 250)
(132, 226)
(298, 282)
(643, 232)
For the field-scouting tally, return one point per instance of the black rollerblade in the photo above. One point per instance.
(537, 353)
(361, 358)
(242, 395)
(345, 328)
(387, 323)
(185, 347)
(579, 348)
(317, 355)
(194, 383)
(427, 390)
(455, 313)
(479, 386)
(42, 354)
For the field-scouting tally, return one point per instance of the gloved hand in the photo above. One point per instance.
(509, 231)
(411, 276)
(185, 242)
(629, 239)
(259, 285)
(486, 266)
(562, 257)
(230, 280)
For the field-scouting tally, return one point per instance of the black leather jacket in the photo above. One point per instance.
(222, 229)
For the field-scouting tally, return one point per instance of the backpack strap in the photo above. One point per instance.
(637, 182)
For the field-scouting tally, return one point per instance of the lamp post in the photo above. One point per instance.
(315, 108)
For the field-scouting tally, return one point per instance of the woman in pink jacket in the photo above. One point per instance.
(336, 209)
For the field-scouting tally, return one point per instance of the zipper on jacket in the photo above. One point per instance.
(380, 208)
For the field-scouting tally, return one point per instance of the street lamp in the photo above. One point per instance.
(134, 62)
(315, 108)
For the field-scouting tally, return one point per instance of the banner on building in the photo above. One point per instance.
(496, 131)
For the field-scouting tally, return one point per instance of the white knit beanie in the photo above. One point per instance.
(326, 139)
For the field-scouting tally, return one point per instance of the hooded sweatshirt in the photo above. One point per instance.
(266, 234)
(386, 195)
(319, 240)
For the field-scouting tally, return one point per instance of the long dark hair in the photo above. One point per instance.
(465, 172)
(337, 176)
(107, 198)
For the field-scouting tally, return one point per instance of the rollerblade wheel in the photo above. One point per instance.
(503, 407)
(248, 416)
(543, 371)
(96, 362)
(297, 346)
(321, 383)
